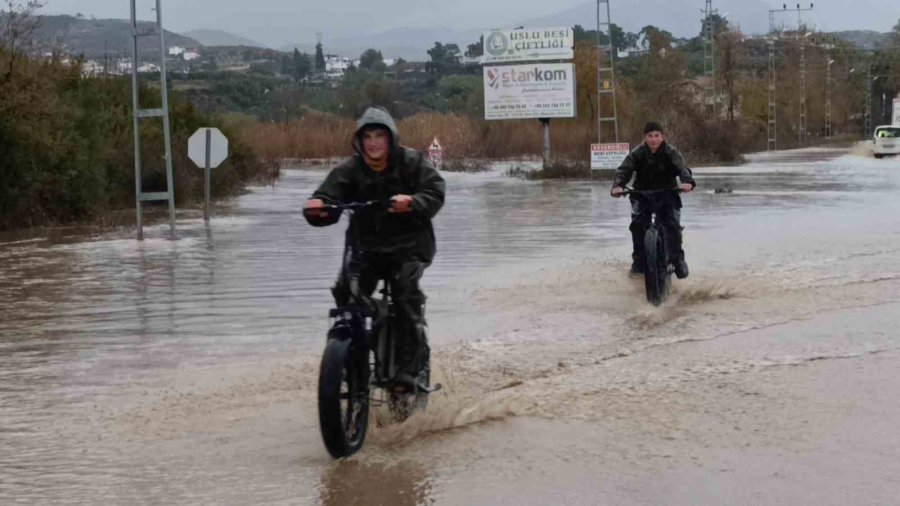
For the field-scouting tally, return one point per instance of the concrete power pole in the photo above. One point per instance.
(771, 124)
(867, 113)
(828, 62)
(801, 130)
(606, 74)
(709, 60)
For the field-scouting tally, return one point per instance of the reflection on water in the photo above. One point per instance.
(89, 325)
(351, 482)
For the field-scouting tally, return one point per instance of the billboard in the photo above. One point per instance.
(537, 90)
(896, 115)
(608, 156)
(509, 46)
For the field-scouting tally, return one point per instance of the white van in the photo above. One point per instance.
(886, 140)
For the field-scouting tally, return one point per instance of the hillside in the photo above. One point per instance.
(865, 38)
(220, 38)
(96, 37)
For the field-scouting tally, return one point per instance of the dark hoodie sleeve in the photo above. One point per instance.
(429, 196)
(684, 173)
(625, 171)
(337, 187)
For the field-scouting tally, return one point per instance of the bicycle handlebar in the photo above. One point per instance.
(632, 191)
(356, 206)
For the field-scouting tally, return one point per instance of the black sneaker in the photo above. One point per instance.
(636, 269)
(681, 268)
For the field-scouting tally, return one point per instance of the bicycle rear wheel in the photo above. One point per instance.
(656, 276)
(343, 398)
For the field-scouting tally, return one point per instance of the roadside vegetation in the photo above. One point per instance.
(66, 140)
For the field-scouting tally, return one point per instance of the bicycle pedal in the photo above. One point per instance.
(432, 389)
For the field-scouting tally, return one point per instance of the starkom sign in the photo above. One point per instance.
(541, 90)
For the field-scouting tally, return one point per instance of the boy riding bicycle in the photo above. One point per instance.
(655, 164)
(397, 245)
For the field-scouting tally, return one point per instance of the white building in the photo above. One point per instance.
(148, 67)
(176, 51)
(190, 55)
(91, 68)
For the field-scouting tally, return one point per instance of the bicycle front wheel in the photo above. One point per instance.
(343, 399)
(656, 278)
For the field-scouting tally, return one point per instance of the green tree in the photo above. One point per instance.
(444, 59)
(302, 65)
(475, 49)
(320, 58)
(371, 60)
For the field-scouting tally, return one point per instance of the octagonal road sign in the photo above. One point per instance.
(218, 147)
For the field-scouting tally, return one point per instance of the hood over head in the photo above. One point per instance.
(375, 116)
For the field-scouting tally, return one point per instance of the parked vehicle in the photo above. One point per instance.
(886, 140)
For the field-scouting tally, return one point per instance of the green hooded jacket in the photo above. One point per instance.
(409, 172)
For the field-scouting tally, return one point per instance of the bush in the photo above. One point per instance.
(66, 145)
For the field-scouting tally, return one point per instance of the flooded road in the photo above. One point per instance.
(184, 372)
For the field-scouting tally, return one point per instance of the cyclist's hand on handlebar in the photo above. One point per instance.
(686, 187)
(617, 191)
(315, 207)
(401, 204)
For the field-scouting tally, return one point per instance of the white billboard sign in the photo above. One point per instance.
(896, 116)
(608, 156)
(502, 46)
(539, 90)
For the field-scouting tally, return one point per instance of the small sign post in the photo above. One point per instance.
(436, 153)
(207, 148)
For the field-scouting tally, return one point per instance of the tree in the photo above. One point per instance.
(320, 58)
(371, 60)
(475, 49)
(18, 23)
(301, 64)
(444, 58)
(730, 61)
(719, 25)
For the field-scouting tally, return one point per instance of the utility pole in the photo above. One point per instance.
(771, 124)
(606, 75)
(828, 62)
(802, 126)
(709, 62)
(773, 12)
(867, 113)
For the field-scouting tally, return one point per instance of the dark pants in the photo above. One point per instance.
(409, 301)
(667, 216)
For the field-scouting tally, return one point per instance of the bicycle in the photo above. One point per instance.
(360, 356)
(658, 267)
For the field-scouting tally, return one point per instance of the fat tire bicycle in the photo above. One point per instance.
(359, 364)
(658, 267)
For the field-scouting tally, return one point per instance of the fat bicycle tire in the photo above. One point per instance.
(656, 276)
(343, 399)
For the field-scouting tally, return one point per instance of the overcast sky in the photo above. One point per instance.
(280, 22)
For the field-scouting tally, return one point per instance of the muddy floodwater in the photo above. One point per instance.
(184, 372)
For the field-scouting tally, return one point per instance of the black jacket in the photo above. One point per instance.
(409, 172)
(654, 171)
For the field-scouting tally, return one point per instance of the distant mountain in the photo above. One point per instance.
(96, 37)
(865, 38)
(221, 38)
(680, 17)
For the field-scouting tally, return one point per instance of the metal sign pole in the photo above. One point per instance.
(546, 123)
(206, 177)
